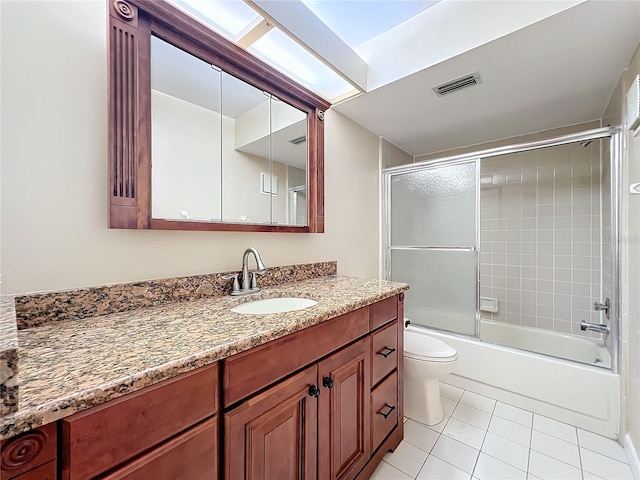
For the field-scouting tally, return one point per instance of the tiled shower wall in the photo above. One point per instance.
(540, 236)
(392, 156)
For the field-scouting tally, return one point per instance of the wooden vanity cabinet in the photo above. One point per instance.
(344, 445)
(146, 431)
(319, 421)
(274, 434)
(324, 402)
(30, 455)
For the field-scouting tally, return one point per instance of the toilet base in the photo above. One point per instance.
(422, 401)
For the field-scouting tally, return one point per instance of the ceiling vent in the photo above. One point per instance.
(458, 84)
(298, 140)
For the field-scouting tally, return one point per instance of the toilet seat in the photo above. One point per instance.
(428, 349)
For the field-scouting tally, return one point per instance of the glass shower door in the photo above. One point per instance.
(433, 243)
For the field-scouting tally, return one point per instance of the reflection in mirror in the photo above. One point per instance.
(245, 152)
(186, 96)
(289, 149)
(223, 150)
(273, 136)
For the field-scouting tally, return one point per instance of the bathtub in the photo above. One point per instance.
(586, 396)
(571, 347)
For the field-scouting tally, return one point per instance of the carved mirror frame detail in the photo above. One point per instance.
(131, 23)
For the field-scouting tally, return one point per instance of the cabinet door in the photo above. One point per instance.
(343, 418)
(274, 435)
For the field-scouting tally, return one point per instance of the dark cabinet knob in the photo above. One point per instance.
(388, 412)
(314, 391)
(386, 351)
(327, 382)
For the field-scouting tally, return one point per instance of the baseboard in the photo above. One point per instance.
(632, 456)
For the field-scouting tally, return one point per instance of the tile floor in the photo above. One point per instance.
(482, 439)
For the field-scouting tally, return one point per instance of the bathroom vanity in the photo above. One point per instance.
(314, 393)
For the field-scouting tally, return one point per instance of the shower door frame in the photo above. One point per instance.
(614, 133)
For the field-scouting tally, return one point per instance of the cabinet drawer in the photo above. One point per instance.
(27, 451)
(384, 410)
(384, 350)
(43, 472)
(191, 455)
(103, 437)
(383, 311)
(250, 371)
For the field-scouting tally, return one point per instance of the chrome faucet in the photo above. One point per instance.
(595, 327)
(248, 279)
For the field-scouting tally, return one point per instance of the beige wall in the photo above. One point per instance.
(631, 270)
(54, 172)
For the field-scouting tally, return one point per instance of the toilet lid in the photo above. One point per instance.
(419, 346)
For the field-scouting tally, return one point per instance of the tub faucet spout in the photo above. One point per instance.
(594, 327)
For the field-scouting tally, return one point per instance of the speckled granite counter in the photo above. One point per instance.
(72, 365)
(8, 356)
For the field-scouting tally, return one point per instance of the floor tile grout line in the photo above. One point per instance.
(552, 435)
(513, 421)
(475, 465)
(505, 462)
(449, 463)
(422, 466)
(601, 453)
(559, 460)
(507, 438)
(579, 453)
(530, 449)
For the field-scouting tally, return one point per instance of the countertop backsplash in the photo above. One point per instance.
(38, 309)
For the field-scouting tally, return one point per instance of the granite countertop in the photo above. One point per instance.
(8, 356)
(76, 364)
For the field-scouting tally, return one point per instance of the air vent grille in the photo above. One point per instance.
(458, 84)
(298, 140)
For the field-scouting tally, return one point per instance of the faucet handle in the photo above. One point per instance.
(236, 282)
(254, 282)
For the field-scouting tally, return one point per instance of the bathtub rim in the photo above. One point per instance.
(423, 328)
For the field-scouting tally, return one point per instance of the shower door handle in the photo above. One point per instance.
(606, 306)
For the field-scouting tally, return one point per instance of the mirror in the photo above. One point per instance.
(204, 136)
(222, 150)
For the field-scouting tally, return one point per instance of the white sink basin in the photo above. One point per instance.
(274, 305)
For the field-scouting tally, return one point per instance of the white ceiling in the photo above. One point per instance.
(558, 71)
(374, 18)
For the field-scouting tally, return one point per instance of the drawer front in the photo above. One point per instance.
(192, 455)
(43, 472)
(250, 371)
(383, 311)
(27, 451)
(103, 437)
(384, 350)
(384, 410)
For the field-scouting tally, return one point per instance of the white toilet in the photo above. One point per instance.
(426, 359)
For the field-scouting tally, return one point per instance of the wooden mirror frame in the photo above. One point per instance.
(131, 24)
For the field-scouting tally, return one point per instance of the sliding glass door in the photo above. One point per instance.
(433, 243)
